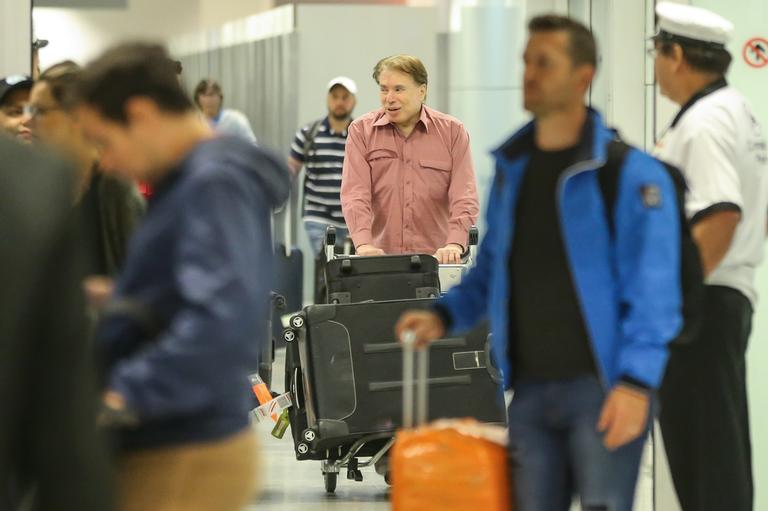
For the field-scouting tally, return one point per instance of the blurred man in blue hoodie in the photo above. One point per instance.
(178, 339)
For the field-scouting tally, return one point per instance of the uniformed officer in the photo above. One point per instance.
(718, 144)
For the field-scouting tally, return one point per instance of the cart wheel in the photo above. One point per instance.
(330, 481)
(297, 321)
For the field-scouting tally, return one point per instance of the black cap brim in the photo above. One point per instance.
(7, 90)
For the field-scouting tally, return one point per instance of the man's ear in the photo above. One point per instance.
(677, 56)
(585, 75)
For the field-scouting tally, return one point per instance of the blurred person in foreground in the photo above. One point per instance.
(109, 207)
(49, 446)
(177, 339)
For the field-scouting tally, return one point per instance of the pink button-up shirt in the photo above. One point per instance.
(408, 195)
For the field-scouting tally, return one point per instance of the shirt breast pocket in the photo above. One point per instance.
(382, 162)
(436, 175)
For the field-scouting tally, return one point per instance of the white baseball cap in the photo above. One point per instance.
(693, 23)
(347, 83)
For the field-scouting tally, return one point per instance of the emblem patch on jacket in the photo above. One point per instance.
(651, 195)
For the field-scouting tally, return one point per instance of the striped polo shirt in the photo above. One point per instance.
(323, 166)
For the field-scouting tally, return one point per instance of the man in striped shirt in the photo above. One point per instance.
(319, 147)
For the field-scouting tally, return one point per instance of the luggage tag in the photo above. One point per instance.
(274, 407)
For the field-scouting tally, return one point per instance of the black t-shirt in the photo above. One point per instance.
(547, 331)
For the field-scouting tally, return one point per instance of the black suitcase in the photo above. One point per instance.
(390, 277)
(344, 371)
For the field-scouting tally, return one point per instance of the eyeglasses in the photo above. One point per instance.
(34, 111)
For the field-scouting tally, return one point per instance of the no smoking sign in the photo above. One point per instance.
(756, 52)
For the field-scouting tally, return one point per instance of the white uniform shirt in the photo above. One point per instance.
(718, 144)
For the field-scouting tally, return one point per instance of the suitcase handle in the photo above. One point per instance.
(414, 383)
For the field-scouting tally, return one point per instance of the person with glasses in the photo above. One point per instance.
(718, 143)
(14, 95)
(110, 208)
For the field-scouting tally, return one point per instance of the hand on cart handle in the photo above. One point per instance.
(369, 250)
(423, 326)
(449, 254)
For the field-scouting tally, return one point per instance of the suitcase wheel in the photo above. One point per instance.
(310, 435)
(330, 481)
(302, 448)
(289, 335)
(297, 321)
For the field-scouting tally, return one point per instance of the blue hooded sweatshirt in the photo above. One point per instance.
(197, 278)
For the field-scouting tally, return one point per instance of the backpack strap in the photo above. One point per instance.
(608, 176)
(309, 141)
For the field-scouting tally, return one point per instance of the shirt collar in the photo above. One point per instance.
(327, 123)
(706, 91)
(424, 118)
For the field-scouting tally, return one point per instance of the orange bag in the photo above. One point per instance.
(443, 467)
(449, 465)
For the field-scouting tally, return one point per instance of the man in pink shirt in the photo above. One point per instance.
(408, 184)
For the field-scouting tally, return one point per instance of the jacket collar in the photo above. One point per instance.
(592, 143)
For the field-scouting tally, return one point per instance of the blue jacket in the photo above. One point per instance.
(628, 282)
(198, 275)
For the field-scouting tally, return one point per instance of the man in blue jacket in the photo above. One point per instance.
(181, 332)
(581, 306)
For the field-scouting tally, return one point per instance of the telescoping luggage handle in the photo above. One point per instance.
(414, 384)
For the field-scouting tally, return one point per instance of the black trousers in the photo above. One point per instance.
(704, 416)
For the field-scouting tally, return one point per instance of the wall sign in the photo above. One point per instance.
(756, 52)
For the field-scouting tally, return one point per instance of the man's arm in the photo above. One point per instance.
(648, 261)
(713, 235)
(356, 189)
(714, 199)
(462, 192)
(295, 165)
(296, 156)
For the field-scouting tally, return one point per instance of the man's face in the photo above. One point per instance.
(341, 102)
(551, 82)
(122, 147)
(665, 66)
(401, 97)
(12, 118)
(210, 103)
(50, 124)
